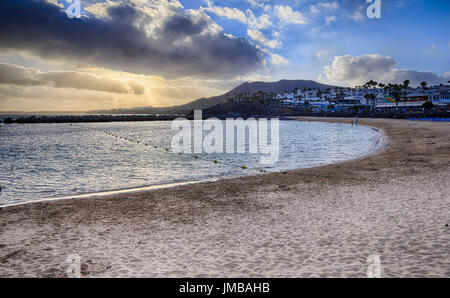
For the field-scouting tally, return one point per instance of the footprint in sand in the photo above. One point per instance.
(2, 191)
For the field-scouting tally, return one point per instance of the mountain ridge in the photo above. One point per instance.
(276, 87)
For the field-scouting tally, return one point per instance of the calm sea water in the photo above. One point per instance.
(53, 160)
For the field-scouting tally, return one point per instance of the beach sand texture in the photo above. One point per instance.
(320, 222)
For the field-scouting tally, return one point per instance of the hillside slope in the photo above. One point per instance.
(203, 103)
(268, 87)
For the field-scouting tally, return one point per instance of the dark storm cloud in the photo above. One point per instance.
(17, 75)
(181, 45)
(180, 25)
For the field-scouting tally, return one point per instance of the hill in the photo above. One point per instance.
(276, 87)
(203, 103)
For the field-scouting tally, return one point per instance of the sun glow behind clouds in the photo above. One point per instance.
(33, 93)
(131, 53)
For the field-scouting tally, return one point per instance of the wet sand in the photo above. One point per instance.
(320, 222)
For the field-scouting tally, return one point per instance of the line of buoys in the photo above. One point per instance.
(117, 136)
(155, 146)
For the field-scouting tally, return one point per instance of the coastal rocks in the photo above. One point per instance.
(90, 118)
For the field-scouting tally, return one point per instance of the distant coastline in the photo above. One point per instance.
(221, 112)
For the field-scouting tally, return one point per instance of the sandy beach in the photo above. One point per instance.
(319, 222)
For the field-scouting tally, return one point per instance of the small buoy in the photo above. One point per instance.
(243, 167)
(195, 156)
(215, 161)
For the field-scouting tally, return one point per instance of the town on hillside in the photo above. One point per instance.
(370, 97)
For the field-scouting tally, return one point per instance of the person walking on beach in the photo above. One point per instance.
(352, 123)
(356, 120)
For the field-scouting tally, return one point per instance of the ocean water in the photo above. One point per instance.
(55, 160)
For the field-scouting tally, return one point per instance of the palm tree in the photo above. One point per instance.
(423, 85)
(370, 98)
(319, 93)
(405, 87)
(406, 84)
(396, 93)
(385, 88)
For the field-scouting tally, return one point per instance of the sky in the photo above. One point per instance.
(135, 53)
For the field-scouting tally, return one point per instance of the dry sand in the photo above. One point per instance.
(295, 224)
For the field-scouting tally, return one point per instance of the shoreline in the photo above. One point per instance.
(321, 221)
(380, 147)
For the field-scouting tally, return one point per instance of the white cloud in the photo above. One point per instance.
(330, 19)
(322, 54)
(261, 22)
(227, 12)
(278, 59)
(323, 6)
(99, 9)
(431, 49)
(358, 70)
(260, 38)
(257, 3)
(288, 15)
(358, 14)
(249, 18)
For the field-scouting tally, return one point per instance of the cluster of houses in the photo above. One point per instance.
(358, 98)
